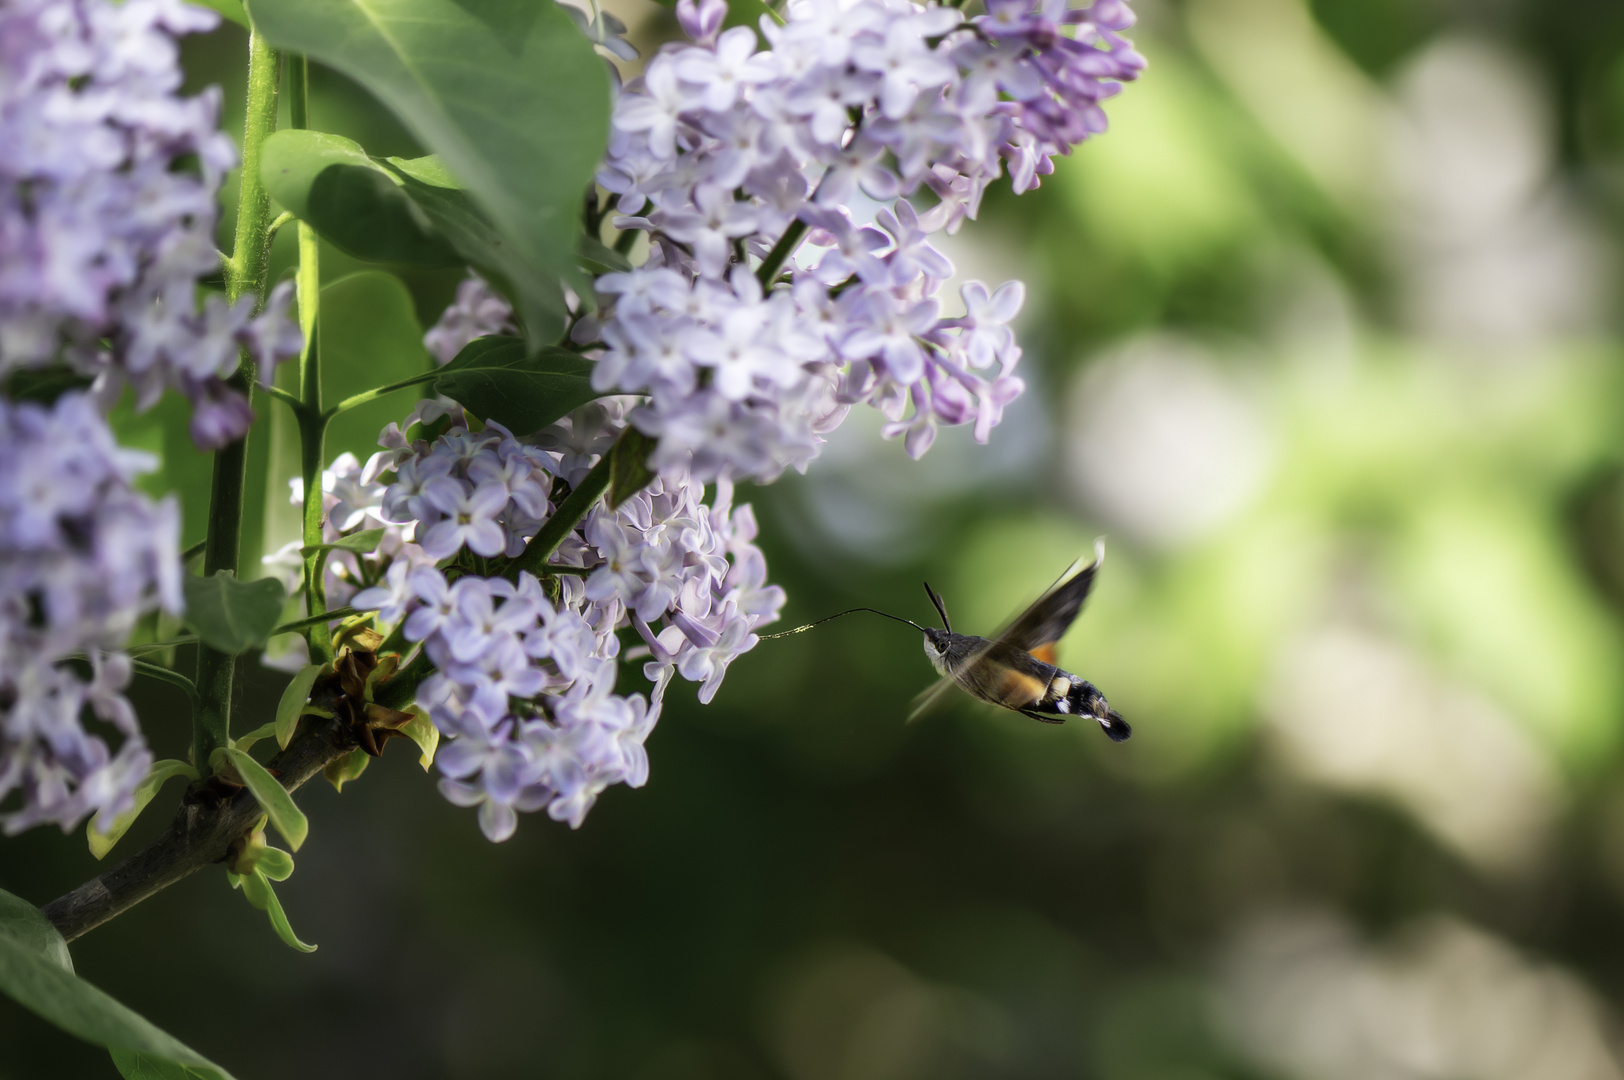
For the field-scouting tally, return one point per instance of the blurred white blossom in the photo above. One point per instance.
(1165, 444)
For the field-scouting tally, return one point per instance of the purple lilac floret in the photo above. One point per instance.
(478, 311)
(525, 686)
(82, 557)
(107, 211)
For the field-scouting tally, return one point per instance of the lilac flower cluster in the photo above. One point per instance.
(722, 153)
(82, 557)
(107, 210)
(525, 685)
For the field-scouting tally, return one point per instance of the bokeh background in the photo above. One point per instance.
(1323, 336)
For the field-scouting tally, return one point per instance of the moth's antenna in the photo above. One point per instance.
(941, 608)
(836, 615)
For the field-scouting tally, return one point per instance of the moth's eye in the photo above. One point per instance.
(940, 644)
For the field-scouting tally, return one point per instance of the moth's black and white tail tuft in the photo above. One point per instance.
(1115, 727)
(1085, 699)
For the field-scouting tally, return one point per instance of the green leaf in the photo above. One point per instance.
(291, 707)
(599, 258)
(261, 895)
(628, 465)
(275, 864)
(356, 204)
(421, 730)
(103, 834)
(230, 615)
(246, 742)
(342, 770)
(498, 378)
(43, 385)
(741, 12)
(133, 1065)
(381, 673)
(427, 170)
(231, 9)
(26, 926)
(749, 13)
(272, 797)
(35, 971)
(536, 294)
(509, 94)
(370, 337)
(360, 543)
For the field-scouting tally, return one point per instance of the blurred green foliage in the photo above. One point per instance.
(1377, 691)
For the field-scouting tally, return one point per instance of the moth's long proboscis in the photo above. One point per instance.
(836, 615)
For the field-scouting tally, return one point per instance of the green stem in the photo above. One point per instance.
(290, 400)
(246, 269)
(160, 646)
(285, 628)
(592, 214)
(377, 392)
(312, 440)
(569, 514)
(216, 671)
(312, 422)
(327, 616)
(163, 674)
(245, 273)
(275, 226)
(780, 253)
(771, 11)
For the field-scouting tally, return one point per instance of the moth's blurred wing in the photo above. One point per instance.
(930, 697)
(1039, 627)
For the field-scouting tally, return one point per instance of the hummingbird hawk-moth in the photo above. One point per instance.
(1015, 669)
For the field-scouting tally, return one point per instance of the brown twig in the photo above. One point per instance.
(214, 815)
(210, 819)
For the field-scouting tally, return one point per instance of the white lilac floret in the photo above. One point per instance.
(108, 186)
(82, 557)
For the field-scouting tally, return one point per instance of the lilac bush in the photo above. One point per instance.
(759, 212)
